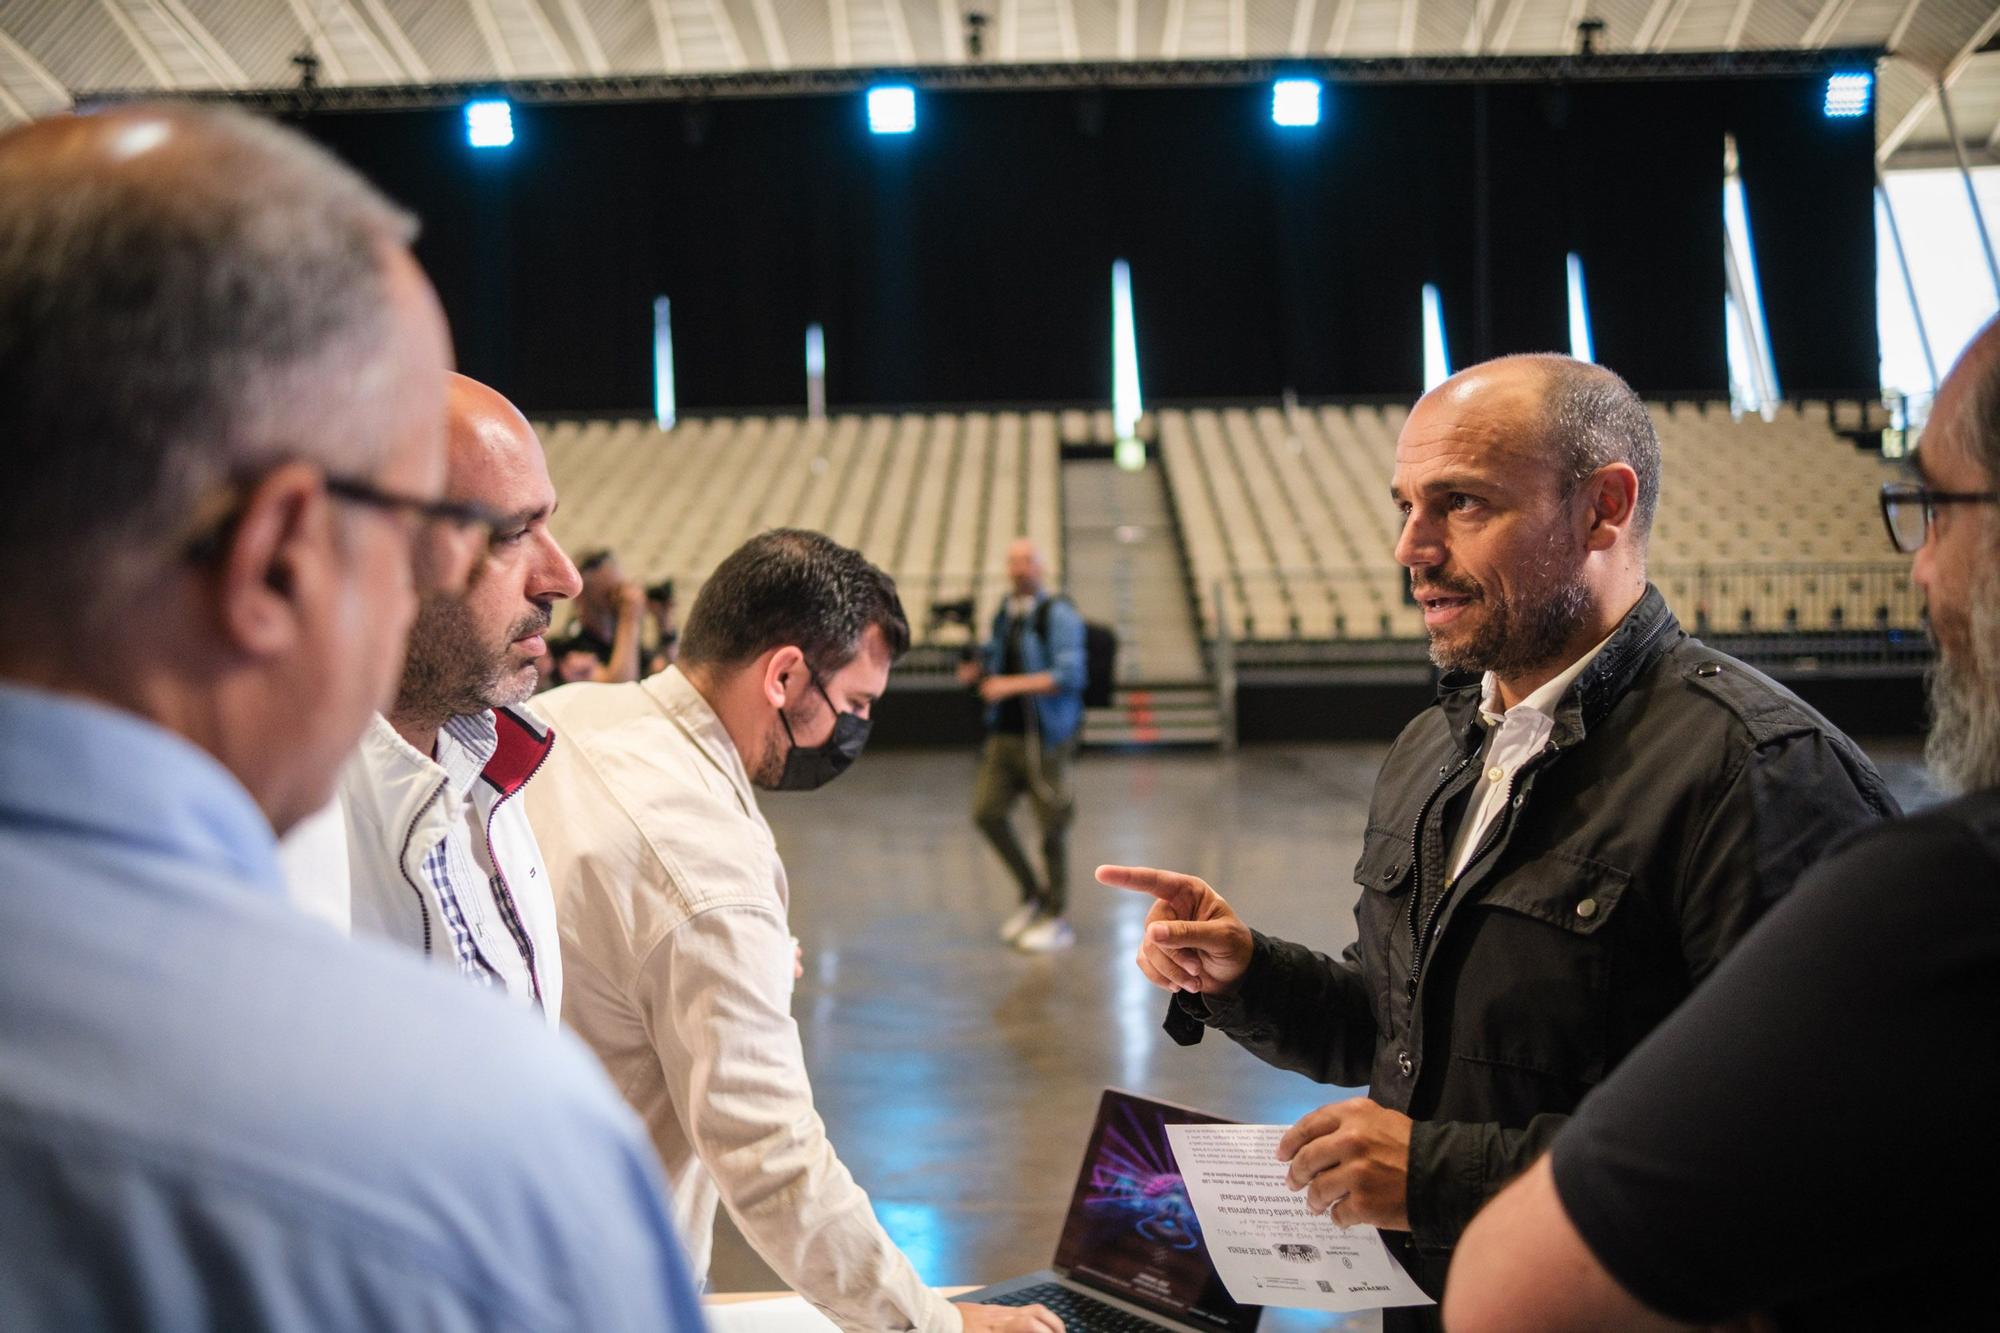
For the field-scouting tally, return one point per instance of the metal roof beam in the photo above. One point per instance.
(1956, 66)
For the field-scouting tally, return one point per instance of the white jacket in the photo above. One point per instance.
(394, 805)
(680, 962)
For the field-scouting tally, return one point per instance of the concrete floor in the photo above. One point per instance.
(958, 1078)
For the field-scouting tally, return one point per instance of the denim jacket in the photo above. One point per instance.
(1060, 714)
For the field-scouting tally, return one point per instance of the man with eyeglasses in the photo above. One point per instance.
(222, 386)
(1802, 1144)
(429, 843)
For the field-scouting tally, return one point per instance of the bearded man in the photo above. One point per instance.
(1705, 1183)
(1592, 814)
(428, 845)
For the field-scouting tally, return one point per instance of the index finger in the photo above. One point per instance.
(1166, 885)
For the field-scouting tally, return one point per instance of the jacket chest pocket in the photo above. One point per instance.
(1384, 873)
(1534, 970)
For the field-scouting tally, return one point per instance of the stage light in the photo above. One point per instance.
(1581, 346)
(892, 109)
(1848, 94)
(816, 372)
(1437, 358)
(489, 123)
(665, 407)
(1295, 102)
(1126, 406)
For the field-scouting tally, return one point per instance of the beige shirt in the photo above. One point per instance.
(1513, 738)
(671, 903)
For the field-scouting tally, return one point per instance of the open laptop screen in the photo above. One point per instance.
(1131, 1230)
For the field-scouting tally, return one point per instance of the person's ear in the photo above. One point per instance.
(1612, 505)
(277, 558)
(782, 667)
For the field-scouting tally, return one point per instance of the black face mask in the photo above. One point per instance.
(810, 767)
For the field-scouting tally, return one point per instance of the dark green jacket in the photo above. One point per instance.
(1682, 795)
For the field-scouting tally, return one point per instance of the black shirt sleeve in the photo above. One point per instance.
(1836, 1073)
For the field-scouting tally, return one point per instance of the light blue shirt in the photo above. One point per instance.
(216, 1113)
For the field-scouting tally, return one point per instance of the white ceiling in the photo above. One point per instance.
(52, 51)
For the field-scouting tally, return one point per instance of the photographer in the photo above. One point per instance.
(1031, 674)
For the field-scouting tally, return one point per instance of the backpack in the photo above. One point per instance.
(1100, 655)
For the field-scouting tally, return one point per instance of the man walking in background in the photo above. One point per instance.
(1031, 675)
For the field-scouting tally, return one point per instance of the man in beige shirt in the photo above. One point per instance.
(671, 903)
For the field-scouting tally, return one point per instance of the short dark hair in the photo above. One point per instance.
(1591, 418)
(792, 587)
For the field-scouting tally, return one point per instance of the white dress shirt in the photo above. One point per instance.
(1514, 736)
(671, 903)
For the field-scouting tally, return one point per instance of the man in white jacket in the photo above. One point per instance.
(428, 843)
(673, 904)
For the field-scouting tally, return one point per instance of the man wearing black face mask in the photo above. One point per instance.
(671, 900)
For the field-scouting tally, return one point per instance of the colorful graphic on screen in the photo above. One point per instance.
(1131, 1228)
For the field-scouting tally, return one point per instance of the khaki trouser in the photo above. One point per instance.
(1005, 774)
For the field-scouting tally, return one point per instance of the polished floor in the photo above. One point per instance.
(958, 1078)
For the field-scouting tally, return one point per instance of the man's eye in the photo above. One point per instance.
(1463, 502)
(509, 538)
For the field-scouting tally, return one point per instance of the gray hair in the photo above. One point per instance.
(181, 300)
(1962, 748)
(1591, 418)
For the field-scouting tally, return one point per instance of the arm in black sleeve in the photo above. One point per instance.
(1833, 1079)
(1794, 797)
(1296, 1008)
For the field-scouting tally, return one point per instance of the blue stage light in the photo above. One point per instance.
(1848, 94)
(489, 123)
(892, 109)
(1295, 102)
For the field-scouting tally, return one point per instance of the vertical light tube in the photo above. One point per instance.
(664, 405)
(1746, 293)
(1437, 357)
(1580, 345)
(815, 372)
(1126, 406)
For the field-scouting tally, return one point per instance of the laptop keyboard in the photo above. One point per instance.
(1079, 1313)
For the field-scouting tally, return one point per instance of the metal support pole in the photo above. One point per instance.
(1909, 283)
(1225, 669)
(1971, 194)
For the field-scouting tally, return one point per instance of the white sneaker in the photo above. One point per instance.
(1048, 935)
(1028, 914)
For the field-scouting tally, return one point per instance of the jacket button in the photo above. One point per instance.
(1707, 669)
(1393, 873)
(1587, 908)
(1404, 1063)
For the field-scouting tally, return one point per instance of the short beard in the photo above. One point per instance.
(1523, 633)
(1963, 747)
(449, 672)
(769, 770)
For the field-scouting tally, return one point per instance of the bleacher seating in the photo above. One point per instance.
(933, 499)
(1763, 527)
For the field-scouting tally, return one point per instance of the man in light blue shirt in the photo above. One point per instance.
(214, 1112)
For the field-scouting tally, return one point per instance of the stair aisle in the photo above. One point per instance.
(1124, 569)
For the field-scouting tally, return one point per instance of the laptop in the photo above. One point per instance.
(1131, 1255)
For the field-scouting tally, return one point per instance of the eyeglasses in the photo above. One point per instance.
(472, 525)
(1909, 511)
